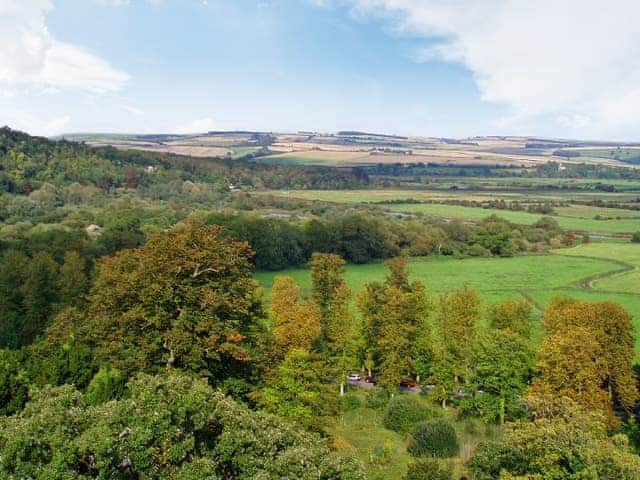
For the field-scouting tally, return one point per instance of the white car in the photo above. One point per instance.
(354, 377)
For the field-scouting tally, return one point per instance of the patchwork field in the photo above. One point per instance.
(574, 217)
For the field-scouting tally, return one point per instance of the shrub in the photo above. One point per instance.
(434, 438)
(429, 469)
(635, 238)
(348, 402)
(377, 398)
(403, 413)
(382, 454)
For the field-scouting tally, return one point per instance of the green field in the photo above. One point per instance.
(597, 271)
(613, 226)
(615, 221)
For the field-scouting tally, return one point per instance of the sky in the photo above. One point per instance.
(445, 68)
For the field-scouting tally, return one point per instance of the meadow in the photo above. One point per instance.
(594, 272)
(573, 217)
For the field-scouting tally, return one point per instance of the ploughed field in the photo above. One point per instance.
(594, 272)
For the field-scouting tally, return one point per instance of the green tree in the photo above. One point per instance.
(458, 315)
(297, 389)
(395, 315)
(501, 366)
(573, 445)
(14, 384)
(39, 295)
(171, 427)
(13, 267)
(185, 299)
(73, 282)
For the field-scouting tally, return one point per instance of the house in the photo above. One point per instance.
(93, 230)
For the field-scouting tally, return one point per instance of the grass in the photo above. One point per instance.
(593, 272)
(359, 432)
(613, 226)
(575, 217)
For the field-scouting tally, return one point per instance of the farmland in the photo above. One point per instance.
(598, 271)
(572, 217)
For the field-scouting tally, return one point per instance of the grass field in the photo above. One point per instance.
(574, 217)
(596, 272)
(614, 225)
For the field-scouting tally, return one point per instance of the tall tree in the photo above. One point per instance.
(186, 298)
(613, 330)
(572, 364)
(457, 320)
(296, 321)
(395, 314)
(73, 282)
(39, 294)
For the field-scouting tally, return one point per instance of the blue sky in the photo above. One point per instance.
(435, 68)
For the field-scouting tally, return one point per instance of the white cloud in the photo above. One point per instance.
(30, 55)
(577, 60)
(56, 126)
(200, 125)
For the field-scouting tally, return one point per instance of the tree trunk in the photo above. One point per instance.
(342, 389)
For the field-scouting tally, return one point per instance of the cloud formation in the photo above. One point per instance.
(30, 55)
(576, 61)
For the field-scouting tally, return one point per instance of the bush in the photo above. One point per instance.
(635, 238)
(435, 438)
(377, 398)
(429, 469)
(403, 413)
(348, 402)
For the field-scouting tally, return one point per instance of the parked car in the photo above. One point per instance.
(354, 377)
(371, 379)
(408, 384)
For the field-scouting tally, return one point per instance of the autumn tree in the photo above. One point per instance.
(296, 321)
(611, 327)
(572, 364)
(185, 299)
(395, 315)
(511, 315)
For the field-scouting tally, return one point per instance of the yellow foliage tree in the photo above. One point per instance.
(296, 321)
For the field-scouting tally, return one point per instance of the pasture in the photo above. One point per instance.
(594, 272)
(577, 217)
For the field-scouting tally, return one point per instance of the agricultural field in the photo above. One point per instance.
(574, 222)
(597, 271)
(612, 221)
(366, 149)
